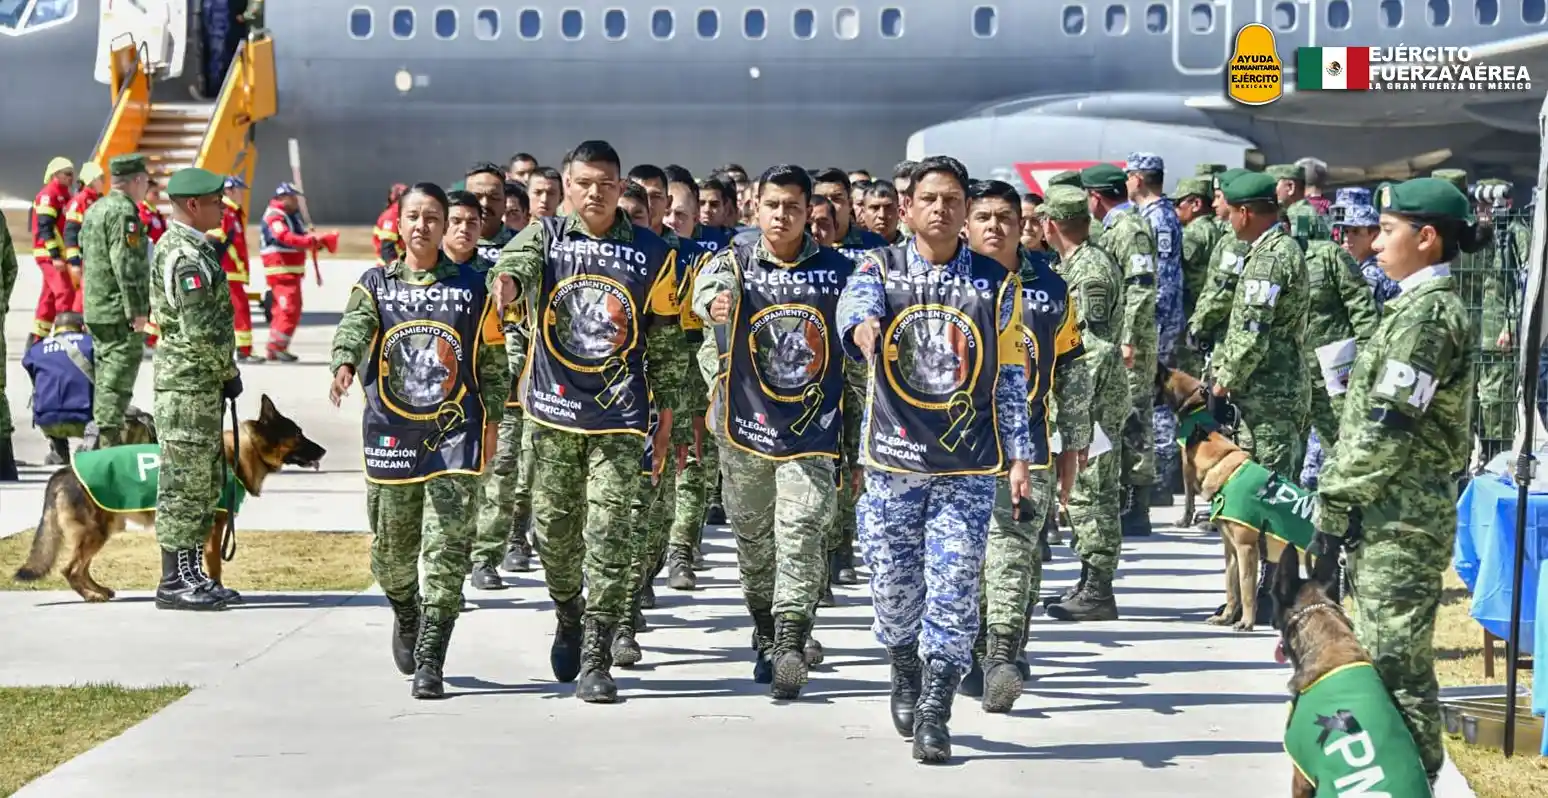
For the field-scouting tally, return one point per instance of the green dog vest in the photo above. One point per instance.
(1346, 737)
(124, 479)
(1261, 499)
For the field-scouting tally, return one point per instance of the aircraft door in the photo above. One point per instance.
(162, 25)
(1203, 32)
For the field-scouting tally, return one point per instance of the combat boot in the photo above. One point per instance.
(648, 595)
(8, 471)
(932, 738)
(430, 655)
(763, 644)
(790, 636)
(1069, 592)
(1094, 602)
(626, 650)
(906, 678)
(1135, 522)
(564, 657)
(699, 561)
(680, 575)
(485, 577)
(184, 586)
(825, 598)
(715, 514)
(405, 632)
(596, 685)
(58, 451)
(518, 550)
(1002, 679)
(844, 573)
(1265, 614)
(812, 651)
(972, 684)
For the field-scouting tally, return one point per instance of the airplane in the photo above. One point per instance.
(383, 92)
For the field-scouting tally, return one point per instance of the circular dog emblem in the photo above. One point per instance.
(932, 352)
(789, 346)
(420, 368)
(589, 320)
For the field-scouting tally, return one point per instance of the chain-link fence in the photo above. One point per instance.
(1492, 283)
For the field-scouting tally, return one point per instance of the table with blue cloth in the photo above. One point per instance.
(1485, 559)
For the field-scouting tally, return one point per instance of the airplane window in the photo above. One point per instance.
(1338, 14)
(572, 24)
(755, 25)
(486, 24)
(1117, 20)
(403, 23)
(1487, 12)
(1284, 16)
(360, 23)
(615, 23)
(446, 23)
(984, 22)
(1074, 20)
(804, 24)
(708, 23)
(1201, 18)
(1532, 12)
(891, 23)
(1156, 20)
(846, 23)
(49, 11)
(529, 23)
(662, 23)
(11, 13)
(1391, 13)
(1439, 12)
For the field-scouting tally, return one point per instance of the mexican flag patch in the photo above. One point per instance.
(193, 282)
(386, 441)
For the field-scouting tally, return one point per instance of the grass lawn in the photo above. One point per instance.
(43, 727)
(1459, 661)
(264, 561)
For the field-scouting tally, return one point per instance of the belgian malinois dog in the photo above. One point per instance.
(267, 445)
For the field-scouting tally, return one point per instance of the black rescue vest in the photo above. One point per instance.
(586, 367)
(785, 376)
(424, 416)
(1044, 306)
(932, 404)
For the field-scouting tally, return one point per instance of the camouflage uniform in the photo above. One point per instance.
(1206, 324)
(7, 282)
(1404, 438)
(1199, 237)
(1340, 306)
(116, 251)
(1167, 234)
(1129, 240)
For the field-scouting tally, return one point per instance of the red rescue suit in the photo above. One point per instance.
(58, 294)
(384, 237)
(232, 238)
(75, 215)
(286, 247)
(155, 226)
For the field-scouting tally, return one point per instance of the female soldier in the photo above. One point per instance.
(1388, 494)
(425, 336)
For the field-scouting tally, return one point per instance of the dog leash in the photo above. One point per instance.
(228, 545)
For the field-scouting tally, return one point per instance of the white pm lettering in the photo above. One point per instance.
(147, 462)
(1260, 292)
(1397, 377)
(1357, 751)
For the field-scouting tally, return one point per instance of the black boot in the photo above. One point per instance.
(825, 598)
(1095, 602)
(564, 657)
(430, 655)
(648, 595)
(699, 562)
(932, 740)
(844, 560)
(485, 577)
(790, 637)
(763, 644)
(1135, 522)
(680, 575)
(812, 650)
(972, 684)
(1002, 679)
(518, 550)
(595, 685)
(58, 452)
(8, 461)
(906, 676)
(714, 514)
(1265, 614)
(626, 650)
(405, 631)
(1069, 592)
(184, 586)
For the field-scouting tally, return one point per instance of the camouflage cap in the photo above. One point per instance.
(1249, 187)
(1425, 196)
(1352, 196)
(1286, 171)
(1456, 177)
(1194, 187)
(1103, 176)
(1063, 202)
(1209, 169)
(126, 165)
(1144, 162)
(194, 182)
(1068, 177)
(1359, 216)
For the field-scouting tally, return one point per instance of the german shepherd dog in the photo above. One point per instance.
(267, 445)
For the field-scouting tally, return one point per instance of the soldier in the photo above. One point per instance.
(518, 208)
(75, 214)
(521, 167)
(464, 220)
(928, 497)
(384, 236)
(597, 284)
(545, 189)
(1356, 225)
(1403, 438)
(1315, 171)
(1146, 173)
(118, 302)
(194, 370)
(902, 178)
(1200, 234)
(427, 424)
(8, 270)
(286, 245)
(1130, 241)
(47, 223)
(775, 411)
(60, 367)
(1056, 365)
(1206, 325)
(881, 211)
(1290, 190)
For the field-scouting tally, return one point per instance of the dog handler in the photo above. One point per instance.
(427, 341)
(1388, 496)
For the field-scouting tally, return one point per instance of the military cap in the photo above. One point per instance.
(1230, 174)
(1209, 169)
(1352, 196)
(1068, 177)
(55, 166)
(194, 182)
(1456, 177)
(1144, 162)
(235, 181)
(1249, 187)
(1425, 196)
(288, 189)
(1064, 202)
(1103, 176)
(90, 171)
(1287, 171)
(1194, 187)
(126, 165)
(1359, 216)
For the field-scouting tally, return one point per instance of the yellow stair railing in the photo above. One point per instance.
(246, 97)
(131, 84)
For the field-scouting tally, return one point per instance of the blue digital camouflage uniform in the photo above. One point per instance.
(924, 536)
(1161, 213)
(856, 242)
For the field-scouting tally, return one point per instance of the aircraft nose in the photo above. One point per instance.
(915, 150)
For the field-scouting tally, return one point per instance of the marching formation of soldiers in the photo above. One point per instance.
(918, 365)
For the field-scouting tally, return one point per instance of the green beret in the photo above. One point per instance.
(1194, 187)
(1209, 169)
(1425, 196)
(1103, 176)
(1456, 177)
(1229, 175)
(194, 182)
(1249, 187)
(1064, 202)
(1068, 177)
(126, 165)
(1286, 171)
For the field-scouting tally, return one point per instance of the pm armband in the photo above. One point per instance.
(1140, 279)
(1391, 419)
